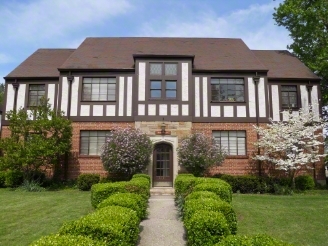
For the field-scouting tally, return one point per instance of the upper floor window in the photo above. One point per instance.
(289, 96)
(163, 80)
(227, 90)
(91, 142)
(99, 89)
(35, 93)
(234, 142)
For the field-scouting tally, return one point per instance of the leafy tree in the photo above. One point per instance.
(293, 144)
(197, 153)
(307, 22)
(126, 151)
(35, 145)
(2, 92)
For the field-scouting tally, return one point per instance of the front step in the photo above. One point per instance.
(162, 191)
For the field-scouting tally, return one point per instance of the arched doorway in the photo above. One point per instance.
(163, 165)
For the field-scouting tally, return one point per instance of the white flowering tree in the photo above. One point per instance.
(292, 144)
(126, 151)
(198, 152)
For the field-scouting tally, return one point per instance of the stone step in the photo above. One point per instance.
(162, 191)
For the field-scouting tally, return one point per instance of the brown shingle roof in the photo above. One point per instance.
(117, 53)
(42, 63)
(283, 64)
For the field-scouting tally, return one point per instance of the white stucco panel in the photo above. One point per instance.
(163, 109)
(205, 96)
(142, 81)
(21, 96)
(275, 103)
(141, 109)
(251, 98)
(285, 115)
(75, 96)
(228, 111)
(215, 111)
(10, 98)
(304, 96)
(152, 109)
(197, 98)
(185, 109)
(64, 96)
(51, 95)
(261, 94)
(85, 110)
(110, 110)
(174, 109)
(315, 101)
(98, 110)
(129, 97)
(184, 82)
(121, 97)
(241, 111)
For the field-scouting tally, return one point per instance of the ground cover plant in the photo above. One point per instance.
(26, 216)
(299, 219)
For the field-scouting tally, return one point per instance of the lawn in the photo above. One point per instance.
(301, 219)
(26, 216)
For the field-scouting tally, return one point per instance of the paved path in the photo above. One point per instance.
(163, 227)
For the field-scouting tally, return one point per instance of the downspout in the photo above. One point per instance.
(16, 86)
(70, 79)
(256, 80)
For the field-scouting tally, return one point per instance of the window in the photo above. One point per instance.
(234, 142)
(35, 93)
(289, 96)
(92, 141)
(163, 80)
(99, 89)
(227, 90)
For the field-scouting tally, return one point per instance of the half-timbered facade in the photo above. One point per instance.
(211, 85)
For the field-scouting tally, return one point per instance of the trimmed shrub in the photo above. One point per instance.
(139, 186)
(142, 175)
(222, 190)
(202, 195)
(205, 228)
(183, 184)
(14, 178)
(2, 179)
(193, 206)
(66, 240)
(100, 192)
(128, 200)
(86, 180)
(304, 182)
(257, 240)
(114, 225)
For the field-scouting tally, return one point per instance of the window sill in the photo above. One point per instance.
(236, 157)
(96, 101)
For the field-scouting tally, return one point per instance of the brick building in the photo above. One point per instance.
(212, 85)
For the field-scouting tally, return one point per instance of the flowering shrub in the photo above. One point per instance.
(126, 151)
(198, 152)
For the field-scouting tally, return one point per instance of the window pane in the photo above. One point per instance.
(171, 69)
(155, 93)
(171, 94)
(171, 85)
(155, 84)
(156, 68)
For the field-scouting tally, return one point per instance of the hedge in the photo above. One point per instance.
(193, 206)
(202, 195)
(127, 200)
(183, 184)
(256, 240)
(66, 240)
(222, 190)
(115, 225)
(304, 182)
(141, 175)
(86, 180)
(2, 179)
(205, 228)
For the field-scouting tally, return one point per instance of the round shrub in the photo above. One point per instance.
(66, 240)
(127, 200)
(236, 240)
(2, 179)
(304, 182)
(223, 191)
(206, 228)
(143, 180)
(202, 195)
(142, 175)
(86, 180)
(14, 178)
(114, 225)
(100, 192)
(193, 206)
(183, 185)
(139, 186)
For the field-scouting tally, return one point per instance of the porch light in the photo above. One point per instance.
(163, 126)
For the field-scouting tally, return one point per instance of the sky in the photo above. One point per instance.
(27, 25)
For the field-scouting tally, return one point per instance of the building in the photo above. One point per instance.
(213, 85)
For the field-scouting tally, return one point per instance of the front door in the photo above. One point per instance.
(163, 165)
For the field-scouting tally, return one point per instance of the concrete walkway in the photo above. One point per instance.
(163, 227)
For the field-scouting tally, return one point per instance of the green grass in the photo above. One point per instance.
(26, 216)
(301, 219)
